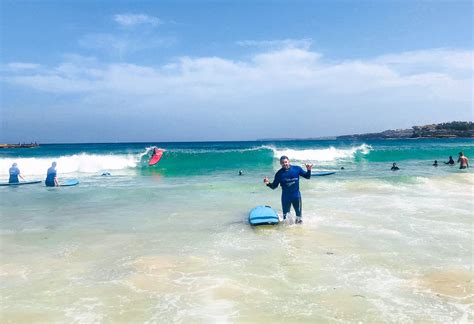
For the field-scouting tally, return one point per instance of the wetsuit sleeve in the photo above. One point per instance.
(275, 182)
(305, 174)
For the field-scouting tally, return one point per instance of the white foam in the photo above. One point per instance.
(85, 310)
(323, 155)
(87, 163)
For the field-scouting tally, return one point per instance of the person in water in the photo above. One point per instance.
(463, 160)
(394, 167)
(14, 174)
(435, 164)
(241, 172)
(288, 178)
(451, 161)
(51, 178)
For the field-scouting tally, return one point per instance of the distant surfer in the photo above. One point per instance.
(463, 160)
(241, 172)
(394, 167)
(105, 174)
(288, 178)
(156, 156)
(451, 161)
(435, 164)
(14, 174)
(51, 178)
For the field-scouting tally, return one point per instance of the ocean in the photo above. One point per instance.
(171, 242)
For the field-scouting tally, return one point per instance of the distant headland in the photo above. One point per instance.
(19, 145)
(455, 129)
(444, 130)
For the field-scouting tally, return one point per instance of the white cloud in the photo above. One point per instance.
(304, 43)
(20, 66)
(437, 59)
(121, 45)
(290, 68)
(238, 96)
(55, 83)
(101, 41)
(130, 20)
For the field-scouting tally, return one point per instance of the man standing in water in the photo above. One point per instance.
(463, 160)
(288, 178)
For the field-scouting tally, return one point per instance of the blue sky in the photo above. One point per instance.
(111, 71)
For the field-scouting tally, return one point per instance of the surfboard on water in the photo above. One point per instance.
(156, 157)
(20, 183)
(263, 215)
(320, 174)
(69, 183)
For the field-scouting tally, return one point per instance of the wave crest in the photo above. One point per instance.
(87, 163)
(323, 155)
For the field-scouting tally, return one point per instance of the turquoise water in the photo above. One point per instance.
(171, 242)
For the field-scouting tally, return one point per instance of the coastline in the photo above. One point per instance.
(8, 146)
(455, 129)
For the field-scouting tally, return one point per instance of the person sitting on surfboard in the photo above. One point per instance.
(51, 179)
(288, 178)
(394, 167)
(14, 174)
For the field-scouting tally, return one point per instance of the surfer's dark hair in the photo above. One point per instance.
(284, 157)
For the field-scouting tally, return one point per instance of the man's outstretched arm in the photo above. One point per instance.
(306, 174)
(273, 184)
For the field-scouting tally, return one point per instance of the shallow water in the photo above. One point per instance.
(173, 245)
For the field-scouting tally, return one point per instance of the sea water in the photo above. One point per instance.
(171, 242)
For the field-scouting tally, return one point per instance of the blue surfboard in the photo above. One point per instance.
(20, 183)
(263, 215)
(68, 183)
(320, 174)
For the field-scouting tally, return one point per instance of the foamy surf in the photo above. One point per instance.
(323, 154)
(77, 163)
